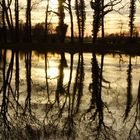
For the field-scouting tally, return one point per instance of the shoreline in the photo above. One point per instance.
(100, 48)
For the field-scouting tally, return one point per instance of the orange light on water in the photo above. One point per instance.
(52, 72)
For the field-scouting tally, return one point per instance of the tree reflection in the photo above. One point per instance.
(1, 65)
(67, 111)
(96, 111)
(6, 90)
(132, 111)
(60, 89)
(78, 84)
(46, 76)
(129, 90)
(17, 80)
(75, 97)
(28, 58)
(67, 101)
(134, 132)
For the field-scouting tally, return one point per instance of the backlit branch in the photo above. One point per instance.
(110, 6)
(35, 4)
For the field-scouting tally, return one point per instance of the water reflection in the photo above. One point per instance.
(129, 90)
(42, 98)
(28, 59)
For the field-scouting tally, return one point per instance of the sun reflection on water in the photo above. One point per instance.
(52, 72)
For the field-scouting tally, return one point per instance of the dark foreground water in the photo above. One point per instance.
(88, 96)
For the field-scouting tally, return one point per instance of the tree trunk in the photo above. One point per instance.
(16, 21)
(132, 16)
(78, 20)
(61, 28)
(28, 37)
(46, 21)
(3, 22)
(71, 20)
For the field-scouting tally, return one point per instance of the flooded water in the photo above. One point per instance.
(91, 97)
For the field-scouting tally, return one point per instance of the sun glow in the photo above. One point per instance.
(52, 72)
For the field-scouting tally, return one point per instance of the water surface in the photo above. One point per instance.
(93, 97)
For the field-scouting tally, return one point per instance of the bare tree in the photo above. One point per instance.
(96, 6)
(81, 17)
(7, 19)
(0, 16)
(62, 27)
(3, 21)
(132, 16)
(69, 9)
(46, 20)
(100, 10)
(28, 22)
(17, 20)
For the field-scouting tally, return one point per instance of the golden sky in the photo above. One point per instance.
(114, 21)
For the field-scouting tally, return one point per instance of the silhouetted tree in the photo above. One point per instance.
(100, 10)
(27, 36)
(0, 23)
(81, 17)
(62, 27)
(96, 6)
(132, 16)
(97, 104)
(16, 20)
(38, 31)
(3, 21)
(69, 9)
(9, 19)
(0, 16)
(46, 20)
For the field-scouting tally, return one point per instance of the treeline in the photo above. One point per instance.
(13, 30)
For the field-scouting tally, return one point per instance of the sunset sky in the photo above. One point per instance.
(113, 21)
